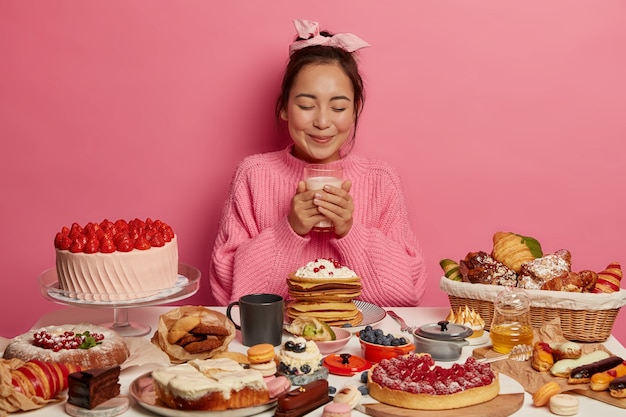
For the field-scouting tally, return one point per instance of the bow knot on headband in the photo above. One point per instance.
(309, 31)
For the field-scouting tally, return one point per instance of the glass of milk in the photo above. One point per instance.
(318, 175)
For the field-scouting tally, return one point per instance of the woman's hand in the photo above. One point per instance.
(310, 207)
(336, 205)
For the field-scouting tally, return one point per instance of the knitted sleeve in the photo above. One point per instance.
(382, 246)
(248, 258)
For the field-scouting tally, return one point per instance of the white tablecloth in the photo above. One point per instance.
(414, 316)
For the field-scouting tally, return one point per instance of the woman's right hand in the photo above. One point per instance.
(304, 213)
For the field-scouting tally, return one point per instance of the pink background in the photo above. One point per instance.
(498, 115)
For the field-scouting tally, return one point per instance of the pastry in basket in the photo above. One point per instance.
(609, 279)
(513, 250)
(413, 381)
(193, 332)
(451, 269)
(534, 273)
(210, 384)
(84, 345)
(26, 386)
(583, 281)
(481, 268)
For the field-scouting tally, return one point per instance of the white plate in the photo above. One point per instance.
(481, 340)
(142, 391)
(372, 315)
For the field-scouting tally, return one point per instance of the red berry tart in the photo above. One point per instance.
(84, 345)
(120, 260)
(413, 381)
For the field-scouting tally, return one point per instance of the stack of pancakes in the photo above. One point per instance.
(327, 298)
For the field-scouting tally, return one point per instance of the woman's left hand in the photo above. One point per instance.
(336, 204)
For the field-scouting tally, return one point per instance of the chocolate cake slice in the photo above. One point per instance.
(90, 388)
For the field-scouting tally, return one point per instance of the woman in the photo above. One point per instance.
(266, 230)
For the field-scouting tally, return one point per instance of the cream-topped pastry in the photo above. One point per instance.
(468, 317)
(210, 384)
(325, 268)
(299, 356)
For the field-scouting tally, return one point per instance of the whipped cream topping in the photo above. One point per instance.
(466, 317)
(197, 378)
(311, 355)
(325, 268)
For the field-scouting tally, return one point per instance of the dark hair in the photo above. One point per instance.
(323, 54)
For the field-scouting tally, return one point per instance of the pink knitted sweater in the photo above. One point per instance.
(255, 247)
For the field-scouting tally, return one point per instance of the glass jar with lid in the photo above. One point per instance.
(511, 323)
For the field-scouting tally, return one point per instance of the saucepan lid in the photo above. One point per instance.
(444, 330)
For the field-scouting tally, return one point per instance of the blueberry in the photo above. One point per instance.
(363, 390)
(331, 390)
(364, 377)
(289, 345)
(346, 325)
(379, 332)
(305, 368)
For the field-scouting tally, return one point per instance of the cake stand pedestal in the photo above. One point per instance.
(187, 285)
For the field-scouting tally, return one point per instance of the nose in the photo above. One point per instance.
(322, 119)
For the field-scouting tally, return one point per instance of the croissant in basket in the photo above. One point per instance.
(513, 250)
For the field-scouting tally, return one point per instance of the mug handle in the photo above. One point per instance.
(230, 306)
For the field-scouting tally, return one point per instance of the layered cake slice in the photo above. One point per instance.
(88, 389)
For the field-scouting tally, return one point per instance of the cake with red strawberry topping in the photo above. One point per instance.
(110, 261)
(413, 381)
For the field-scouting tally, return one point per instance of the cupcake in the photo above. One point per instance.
(300, 360)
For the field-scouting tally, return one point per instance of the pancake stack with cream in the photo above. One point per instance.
(324, 289)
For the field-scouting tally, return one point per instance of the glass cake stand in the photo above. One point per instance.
(187, 284)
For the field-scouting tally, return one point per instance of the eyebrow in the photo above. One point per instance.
(312, 96)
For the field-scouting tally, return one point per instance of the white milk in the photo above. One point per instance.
(317, 183)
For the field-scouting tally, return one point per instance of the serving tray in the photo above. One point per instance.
(501, 406)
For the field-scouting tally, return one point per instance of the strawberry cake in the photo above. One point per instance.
(120, 260)
(413, 381)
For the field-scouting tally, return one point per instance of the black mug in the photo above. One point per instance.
(261, 317)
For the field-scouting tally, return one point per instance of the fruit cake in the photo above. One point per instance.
(110, 261)
(413, 381)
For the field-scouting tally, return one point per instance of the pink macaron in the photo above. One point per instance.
(278, 386)
(334, 409)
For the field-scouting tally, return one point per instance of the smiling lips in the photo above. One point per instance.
(321, 139)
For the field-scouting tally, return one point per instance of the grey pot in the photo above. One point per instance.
(443, 341)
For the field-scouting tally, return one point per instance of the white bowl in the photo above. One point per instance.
(342, 337)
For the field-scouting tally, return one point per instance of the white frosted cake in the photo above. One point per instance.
(210, 384)
(116, 261)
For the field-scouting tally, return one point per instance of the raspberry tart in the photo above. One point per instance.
(84, 345)
(413, 381)
(110, 261)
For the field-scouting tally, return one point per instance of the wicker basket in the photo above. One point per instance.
(584, 317)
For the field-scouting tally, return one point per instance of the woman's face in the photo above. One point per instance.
(320, 112)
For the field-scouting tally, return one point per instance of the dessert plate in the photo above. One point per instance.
(372, 315)
(481, 340)
(142, 391)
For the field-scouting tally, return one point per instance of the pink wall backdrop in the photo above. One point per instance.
(498, 115)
